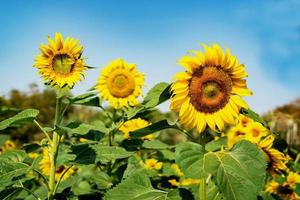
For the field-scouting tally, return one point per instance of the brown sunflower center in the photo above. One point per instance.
(121, 84)
(210, 89)
(60, 169)
(63, 64)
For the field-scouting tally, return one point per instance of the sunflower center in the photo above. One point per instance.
(210, 89)
(63, 64)
(121, 84)
(60, 169)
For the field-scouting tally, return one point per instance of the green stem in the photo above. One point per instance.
(44, 131)
(202, 189)
(53, 150)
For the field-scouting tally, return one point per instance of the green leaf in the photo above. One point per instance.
(11, 167)
(138, 187)
(87, 99)
(13, 156)
(238, 173)
(8, 192)
(31, 147)
(84, 154)
(157, 95)
(216, 145)
(253, 115)
(3, 138)
(155, 144)
(157, 126)
(25, 115)
(191, 159)
(102, 180)
(109, 153)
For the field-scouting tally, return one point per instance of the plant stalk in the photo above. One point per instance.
(202, 189)
(53, 149)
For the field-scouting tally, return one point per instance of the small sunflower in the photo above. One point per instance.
(293, 178)
(9, 145)
(272, 187)
(135, 124)
(120, 83)
(255, 131)
(60, 62)
(209, 91)
(45, 165)
(152, 164)
(244, 121)
(235, 134)
(276, 159)
(177, 169)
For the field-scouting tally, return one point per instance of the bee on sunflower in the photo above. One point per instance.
(120, 83)
(60, 62)
(209, 91)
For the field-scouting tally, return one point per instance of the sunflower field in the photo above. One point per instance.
(211, 147)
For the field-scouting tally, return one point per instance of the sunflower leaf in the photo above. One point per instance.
(238, 173)
(157, 95)
(253, 115)
(138, 186)
(90, 98)
(23, 116)
(157, 126)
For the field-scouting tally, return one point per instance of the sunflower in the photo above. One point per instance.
(272, 187)
(9, 145)
(244, 121)
(293, 178)
(60, 62)
(276, 159)
(235, 134)
(255, 131)
(45, 165)
(120, 83)
(209, 91)
(135, 124)
(152, 164)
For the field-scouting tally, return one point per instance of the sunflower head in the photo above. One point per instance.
(45, 165)
(272, 187)
(135, 124)
(235, 134)
(153, 164)
(293, 178)
(276, 160)
(60, 62)
(120, 83)
(209, 91)
(9, 145)
(255, 131)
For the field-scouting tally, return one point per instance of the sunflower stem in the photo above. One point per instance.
(202, 189)
(53, 149)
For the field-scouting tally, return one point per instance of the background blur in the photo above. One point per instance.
(264, 35)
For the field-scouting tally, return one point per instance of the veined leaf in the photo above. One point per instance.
(137, 187)
(108, 153)
(238, 173)
(155, 144)
(157, 95)
(87, 99)
(25, 115)
(191, 159)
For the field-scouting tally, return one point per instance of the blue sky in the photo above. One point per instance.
(264, 35)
